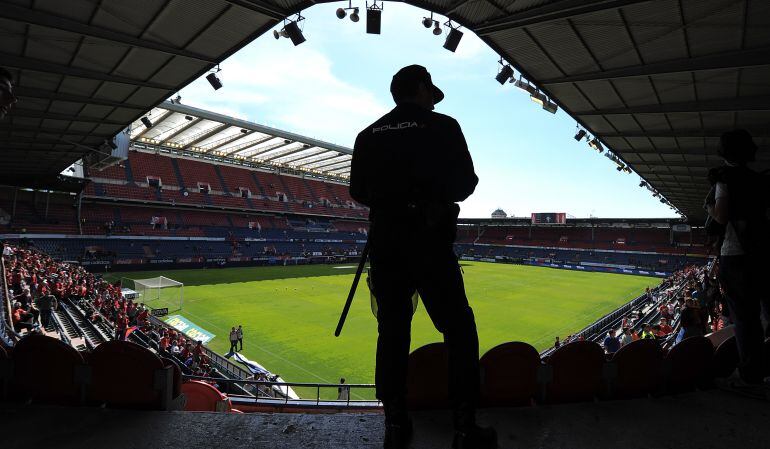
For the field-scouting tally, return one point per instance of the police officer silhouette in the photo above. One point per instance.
(411, 167)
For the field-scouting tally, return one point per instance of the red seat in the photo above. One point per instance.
(638, 370)
(47, 369)
(427, 381)
(688, 365)
(509, 374)
(203, 397)
(125, 374)
(576, 372)
(725, 358)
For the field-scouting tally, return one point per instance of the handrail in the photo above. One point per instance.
(286, 399)
(6, 337)
(219, 362)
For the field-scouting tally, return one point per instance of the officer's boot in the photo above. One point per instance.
(468, 434)
(398, 426)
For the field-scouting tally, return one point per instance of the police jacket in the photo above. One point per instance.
(410, 167)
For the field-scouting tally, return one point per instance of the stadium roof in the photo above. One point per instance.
(177, 126)
(656, 81)
(85, 69)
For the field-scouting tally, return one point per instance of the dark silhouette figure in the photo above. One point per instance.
(411, 167)
(7, 98)
(739, 202)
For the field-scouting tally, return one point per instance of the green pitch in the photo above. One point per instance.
(289, 313)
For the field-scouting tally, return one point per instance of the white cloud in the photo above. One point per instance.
(294, 88)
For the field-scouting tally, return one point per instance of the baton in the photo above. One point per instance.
(352, 293)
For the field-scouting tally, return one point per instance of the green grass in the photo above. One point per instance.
(289, 313)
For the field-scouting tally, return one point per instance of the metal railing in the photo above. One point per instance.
(286, 399)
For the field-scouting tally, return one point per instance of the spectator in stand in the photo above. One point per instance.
(557, 343)
(627, 336)
(233, 340)
(7, 98)
(165, 342)
(198, 349)
(611, 342)
(665, 328)
(239, 334)
(647, 333)
(46, 304)
(22, 319)
(690, 320)
(343, 391)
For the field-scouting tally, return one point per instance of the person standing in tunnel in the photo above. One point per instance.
(411, 167)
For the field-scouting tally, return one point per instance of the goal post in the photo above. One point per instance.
(157, 292)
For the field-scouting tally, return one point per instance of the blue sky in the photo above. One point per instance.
(336, 83)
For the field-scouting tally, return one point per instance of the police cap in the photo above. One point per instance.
(406, 81)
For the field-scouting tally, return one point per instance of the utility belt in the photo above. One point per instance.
(434, 221)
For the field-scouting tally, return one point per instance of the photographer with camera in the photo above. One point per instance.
(738, 206)
(411, 167)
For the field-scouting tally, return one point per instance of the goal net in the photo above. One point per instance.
(157, 293)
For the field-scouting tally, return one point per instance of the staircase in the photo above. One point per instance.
(221, 179)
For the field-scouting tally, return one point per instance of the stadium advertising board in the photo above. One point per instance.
(159, 312)
(189, 328)
(549, 218)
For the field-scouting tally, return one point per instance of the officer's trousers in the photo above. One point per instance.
(431, 269)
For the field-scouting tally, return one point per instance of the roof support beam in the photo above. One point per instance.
(246, 146)
(26, 92)
(288, 152)
(155, 122)
(314, 160)
(187, 124)
(205, 135)
(302, 157)
(331, 164)
(42, 130)
(37, 17)
(756, 133)
(227, 140)
(758, 103)
(728, 60)
(275, 146)
(260, 7)
(39, 65)
(701, 152)
(557, 10)
(70, 118)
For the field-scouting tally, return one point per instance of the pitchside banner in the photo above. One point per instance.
(189, 328)
(549, 218)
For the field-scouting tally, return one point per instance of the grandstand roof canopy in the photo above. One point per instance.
(182, 127)
(657, 81)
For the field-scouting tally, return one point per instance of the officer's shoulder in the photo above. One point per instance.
(443, 119)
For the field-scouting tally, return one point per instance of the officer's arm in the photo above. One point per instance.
(463, 179)
(358, 188)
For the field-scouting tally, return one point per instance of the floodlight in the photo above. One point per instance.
(437, 29)
(276, 34)
(214, 81)
(620, 168)
(373, 18)
(244, 131)
(550, 106)
(188, 118)
(580, 134)
(294, 33)
(525, 86)
(354, 16)
(453, 39)
(341, 13)
(505, 74)
(146, 121)
(643, 184)
(427, 22)
(539, 98)
(596, 145)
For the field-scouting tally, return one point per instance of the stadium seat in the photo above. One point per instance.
(177, 375)
(203, 397)
(688, 365)
(48, 370)
(127, 375)
(725, 358)
(427, 382)
(509, 375)
(6, 372)
(575, 372)
(636, 370)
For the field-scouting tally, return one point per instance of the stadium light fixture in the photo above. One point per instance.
(342, 12)
(550, 106)
(293, 32)
(505, 73)
(596, 145)
(580, 134)
(373, 18)
(188, 118)
(453, 38)
(213, 79)
(643, 184)
(146, 121)
(437, 28)
(244, 131)
(427, 22)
